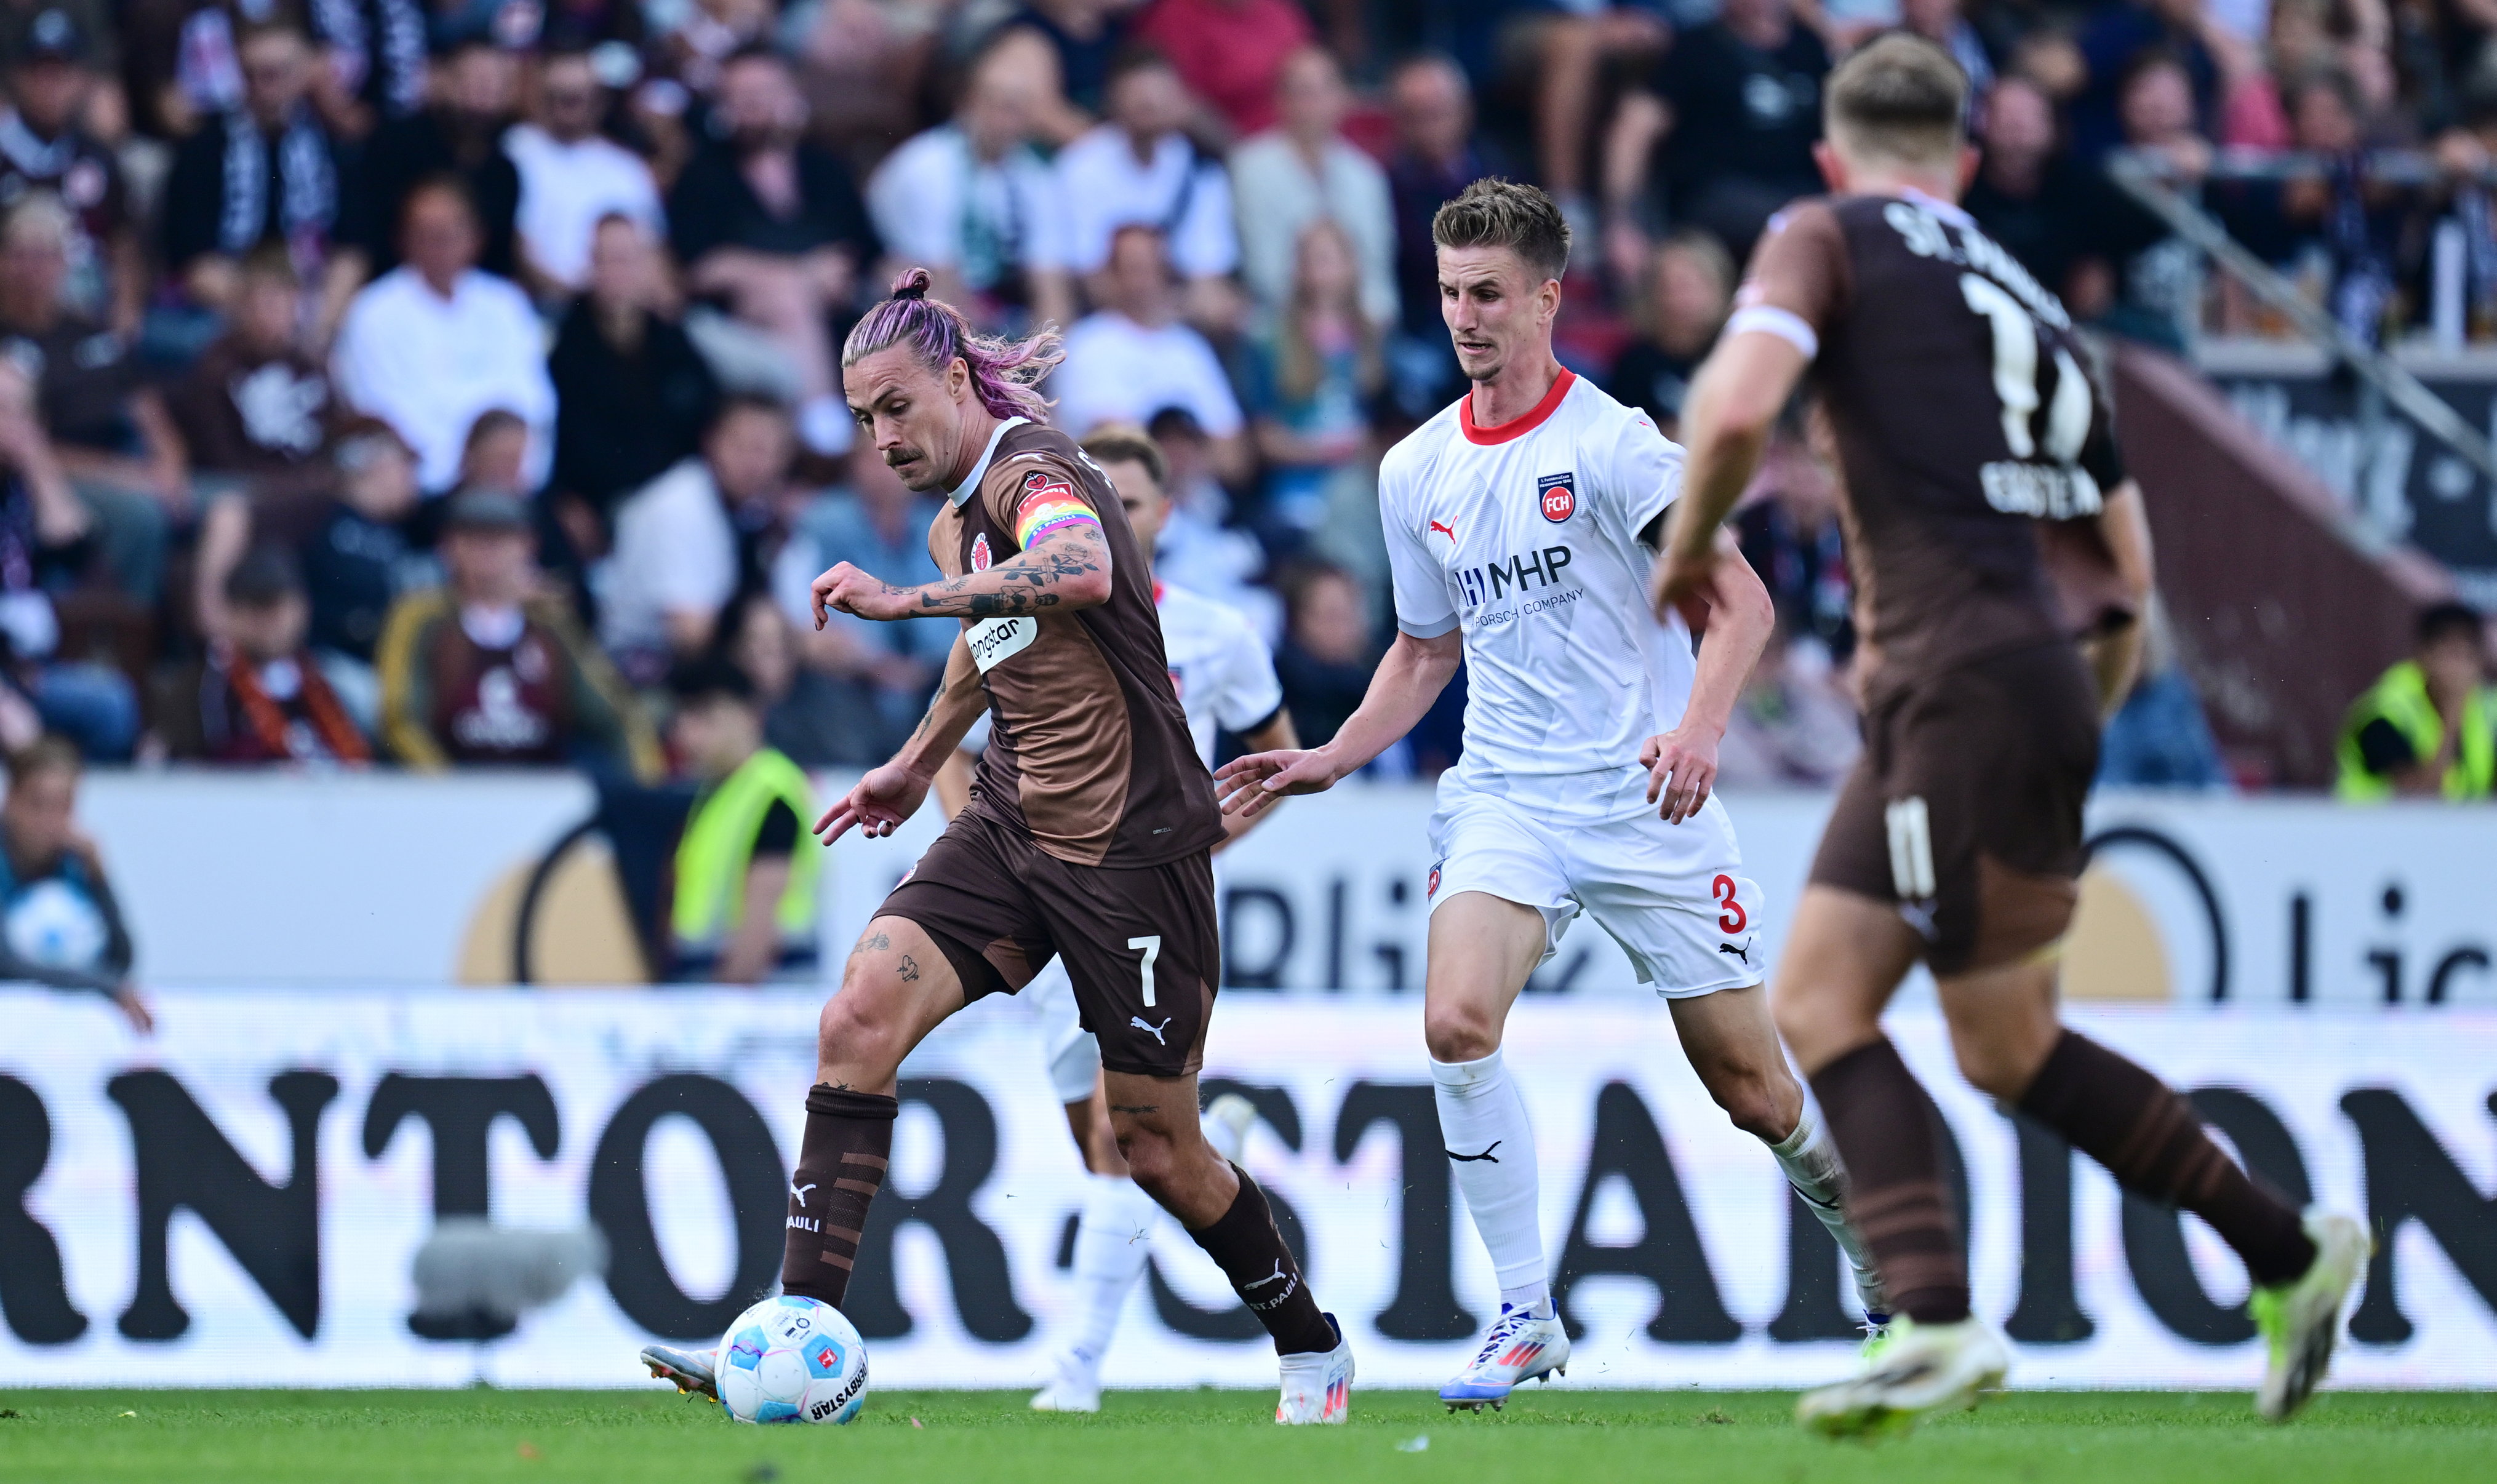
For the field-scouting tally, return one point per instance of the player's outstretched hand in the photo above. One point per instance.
(879, 804)
(1681, 769)
(1249, 786)
(852, 591)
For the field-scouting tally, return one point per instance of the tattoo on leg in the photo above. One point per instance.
(871, 943)
(909, 969)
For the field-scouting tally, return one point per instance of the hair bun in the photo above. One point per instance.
(912, 284)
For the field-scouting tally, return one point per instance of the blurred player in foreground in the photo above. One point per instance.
(1521, 525)
(1088, 835)
(1989, 521)
(1226, 680)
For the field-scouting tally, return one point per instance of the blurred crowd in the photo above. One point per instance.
(423, 382)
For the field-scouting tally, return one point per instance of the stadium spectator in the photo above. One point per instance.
(1303, 170)
(2120, 36)
(458, 136)
(808, 714)
(773, 225)
(1086, 36)
(1793, 727)
(745, 902)
(2134, 274)
(1231, 54)
(2028, 195)
(255, 411)
(2159, 738)
(374, 51)
(1946, 23)
(434, 342)
(973, 202)
(1328, 652)
(1314, 375)
(1684, 298)
(357, 562)
(2428, 727)
(2336, 206)
(1436, 159)
(1134, 358)
(680, 551)
(263, 698)
(45, 536)
(1141, 168)
(1721, 133)
(632, 394)
(60, 925)
(267, 171)
(107, 427)
(572, 177)
(489, 668)
(46, 145)
(887, 670)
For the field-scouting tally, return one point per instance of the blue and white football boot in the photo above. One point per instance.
(1522, 1346)
(690, 1371)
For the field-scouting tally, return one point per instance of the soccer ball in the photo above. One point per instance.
(791, 1359)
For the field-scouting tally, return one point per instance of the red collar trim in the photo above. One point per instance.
(1518, 426)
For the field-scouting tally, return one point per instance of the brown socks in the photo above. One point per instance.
(840, 1167)
(1244, 1245)
(1877, 1115)
(2154, 1143)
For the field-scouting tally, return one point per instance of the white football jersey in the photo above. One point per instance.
(1527, 536)
(1222, 671)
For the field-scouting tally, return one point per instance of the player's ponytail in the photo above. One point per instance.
(1003, 372)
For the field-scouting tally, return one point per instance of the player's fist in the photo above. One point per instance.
(1681, 771)
(879, 804)
(1249, 786)
(1684, 583)
(852, 591)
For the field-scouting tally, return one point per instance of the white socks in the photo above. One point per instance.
(1813, 1167)
(1110, 1245)
(1491, 1147)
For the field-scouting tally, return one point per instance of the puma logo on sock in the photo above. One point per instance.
(1278, 1276)
(1485, 1155)
(1155, 1031)
(797, 1192)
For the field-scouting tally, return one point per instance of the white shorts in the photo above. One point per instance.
(1073, 1054)
(1673, 896)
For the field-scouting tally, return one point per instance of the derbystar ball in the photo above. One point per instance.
(791, 1359)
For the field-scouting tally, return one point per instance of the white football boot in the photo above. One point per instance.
(1077, 1387)
(1318, 1384)
(1227, 1120)
(691, 1371)
(1520, 1348)
(2301, 1320)
(1917, 1369)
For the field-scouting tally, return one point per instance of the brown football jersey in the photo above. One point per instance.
(1090, 753)
(1973, 444)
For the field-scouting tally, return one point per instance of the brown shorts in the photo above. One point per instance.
(1140, 943)
(1965, 810)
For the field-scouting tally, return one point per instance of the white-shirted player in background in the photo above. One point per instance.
(1225, 679)
(1522, 527)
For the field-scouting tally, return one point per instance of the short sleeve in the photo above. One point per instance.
(1251, 693)
(1420, 582)
(1645, 473)
(1798, 279)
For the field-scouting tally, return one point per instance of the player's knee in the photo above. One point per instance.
(850, 1033)
(1752, 1104)
(1151, 1159)
(1991, 1069)
(1459, 1033)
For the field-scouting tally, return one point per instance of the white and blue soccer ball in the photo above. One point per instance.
(791, 1359)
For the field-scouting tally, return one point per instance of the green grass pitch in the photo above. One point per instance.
(1178, 1437)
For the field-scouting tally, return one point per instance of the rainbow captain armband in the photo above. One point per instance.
(1046, 505)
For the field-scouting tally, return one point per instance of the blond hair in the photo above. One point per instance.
(1900, 99)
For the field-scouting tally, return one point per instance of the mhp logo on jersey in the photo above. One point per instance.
(1559, 496)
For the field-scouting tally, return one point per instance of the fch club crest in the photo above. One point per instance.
(1559, 493)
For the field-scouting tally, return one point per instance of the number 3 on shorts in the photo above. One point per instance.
(1153, 949)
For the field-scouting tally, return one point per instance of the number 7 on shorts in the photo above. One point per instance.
(1153, 949)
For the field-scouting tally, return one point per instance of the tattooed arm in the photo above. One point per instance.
(1062, 568)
